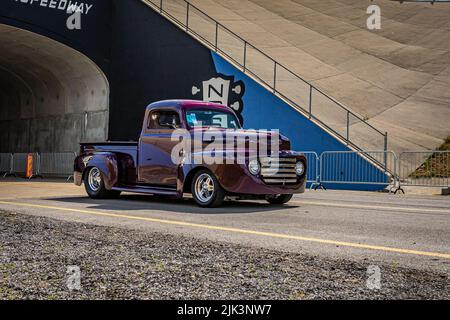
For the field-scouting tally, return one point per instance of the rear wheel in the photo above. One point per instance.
(95, 186)
(280, 199)
(206, 190)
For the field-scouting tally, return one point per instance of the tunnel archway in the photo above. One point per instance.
(51, 96)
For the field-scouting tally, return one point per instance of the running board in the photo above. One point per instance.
(149, 190)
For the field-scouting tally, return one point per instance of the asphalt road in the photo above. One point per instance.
(406, 231)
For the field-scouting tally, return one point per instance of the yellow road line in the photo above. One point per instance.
(363, 206)
(236, 230)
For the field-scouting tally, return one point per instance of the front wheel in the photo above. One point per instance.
(95, 186)
(280, 199)
(206, 190)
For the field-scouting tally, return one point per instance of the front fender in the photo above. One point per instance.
(229, 174)
(105, 161)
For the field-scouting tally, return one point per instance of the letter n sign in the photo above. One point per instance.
(216, 90)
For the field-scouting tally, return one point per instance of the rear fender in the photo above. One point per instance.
(107, 164)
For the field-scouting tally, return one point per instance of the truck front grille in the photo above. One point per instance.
(278, 170)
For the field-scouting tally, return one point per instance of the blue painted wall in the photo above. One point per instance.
(263, 110)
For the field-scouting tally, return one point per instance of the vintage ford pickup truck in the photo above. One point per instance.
(148, 166)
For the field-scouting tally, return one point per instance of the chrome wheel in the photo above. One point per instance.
(94, 179)
(204, 187)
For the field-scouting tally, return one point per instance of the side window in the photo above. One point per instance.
(164, 120)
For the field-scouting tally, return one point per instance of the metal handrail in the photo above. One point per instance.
(159, 7)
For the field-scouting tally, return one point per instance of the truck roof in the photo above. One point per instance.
(188, 104)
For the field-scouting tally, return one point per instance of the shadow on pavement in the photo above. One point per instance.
(149, 202)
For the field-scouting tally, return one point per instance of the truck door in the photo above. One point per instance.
(155, 149)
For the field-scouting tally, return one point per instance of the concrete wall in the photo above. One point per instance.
(51, 96)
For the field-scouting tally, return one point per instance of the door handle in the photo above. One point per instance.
(149, 159)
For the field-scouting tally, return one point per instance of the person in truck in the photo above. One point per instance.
(184, 148)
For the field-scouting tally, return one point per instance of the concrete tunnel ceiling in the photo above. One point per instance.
(51, 96)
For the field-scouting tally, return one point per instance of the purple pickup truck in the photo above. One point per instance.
(149, 166)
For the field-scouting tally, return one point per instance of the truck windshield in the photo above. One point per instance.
(211, 118)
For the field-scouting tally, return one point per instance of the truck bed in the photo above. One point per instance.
(127, 147)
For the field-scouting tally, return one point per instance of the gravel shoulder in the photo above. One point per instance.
(115, 263)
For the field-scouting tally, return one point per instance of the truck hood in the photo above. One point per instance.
(254, 136)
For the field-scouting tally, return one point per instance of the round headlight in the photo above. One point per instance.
(300, 168)
(254, 167)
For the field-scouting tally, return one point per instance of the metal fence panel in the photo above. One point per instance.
(19, 164)
(424, 168)
(358, 167)
(57, 164)
(5, 163)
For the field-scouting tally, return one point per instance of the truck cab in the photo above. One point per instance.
(198, 148)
